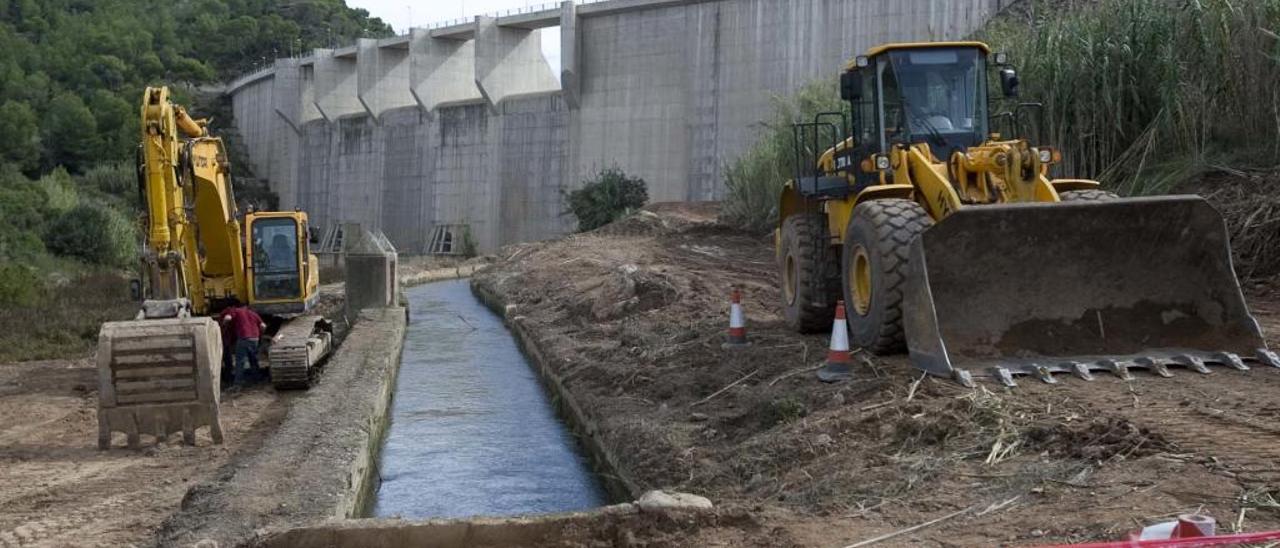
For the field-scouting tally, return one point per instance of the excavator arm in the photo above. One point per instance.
(193, 246)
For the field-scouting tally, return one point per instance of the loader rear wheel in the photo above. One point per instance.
(1090, 195)
(807, 270)
(877, 247)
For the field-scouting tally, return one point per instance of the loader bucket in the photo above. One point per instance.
(1006, 290)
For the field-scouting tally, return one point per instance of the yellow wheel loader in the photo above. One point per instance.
(949, 240)
(200, 253)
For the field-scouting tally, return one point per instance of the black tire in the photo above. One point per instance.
(883, 231)
(1090, 195)
(808, 274)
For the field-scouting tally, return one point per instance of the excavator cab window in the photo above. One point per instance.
(276, 259)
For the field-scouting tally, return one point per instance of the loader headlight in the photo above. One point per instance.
(882, 162)
(861, 61)
(1001, 58)
(1046, 155)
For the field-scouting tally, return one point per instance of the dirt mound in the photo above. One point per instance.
(1097, 440)
(633, 315)
(1251, 209)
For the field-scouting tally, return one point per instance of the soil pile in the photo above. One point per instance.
(633, 316)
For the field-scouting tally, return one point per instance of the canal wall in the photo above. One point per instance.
(616, 481)
(464, 128)
(320, 463)
(637, 514)
(595, 528)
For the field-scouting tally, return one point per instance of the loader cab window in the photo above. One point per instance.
(275, 259)
(934, 95)
(866, 122)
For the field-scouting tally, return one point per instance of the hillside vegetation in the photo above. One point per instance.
(71, 75)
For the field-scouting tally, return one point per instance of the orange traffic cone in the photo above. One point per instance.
(737, 323)
(838, 356)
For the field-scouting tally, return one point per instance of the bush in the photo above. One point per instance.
(469, 247)
(19, 286)
(606, 198)
(59, 191)
(116, 178)
(1146, 93)
(95, 234)
(19, 246)
(756, 178)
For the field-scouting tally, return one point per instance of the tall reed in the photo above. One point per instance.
(1146, 93)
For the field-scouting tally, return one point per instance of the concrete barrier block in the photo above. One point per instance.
(509, 62)
(371, 277)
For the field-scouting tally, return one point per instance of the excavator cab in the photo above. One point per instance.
(280, 274)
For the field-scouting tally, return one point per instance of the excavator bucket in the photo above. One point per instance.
(1079, 287)
(157, 377)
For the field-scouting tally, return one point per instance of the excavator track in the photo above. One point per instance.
(296, 352)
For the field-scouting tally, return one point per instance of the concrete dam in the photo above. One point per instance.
(464, 130)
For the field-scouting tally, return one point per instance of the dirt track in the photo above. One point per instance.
(58, 489)
(633, 316)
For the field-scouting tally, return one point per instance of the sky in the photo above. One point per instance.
(403, 14)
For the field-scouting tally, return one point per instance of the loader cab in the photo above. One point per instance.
(277, 253)
(934, 93)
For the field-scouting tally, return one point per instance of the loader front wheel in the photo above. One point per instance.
(1089, 195)
(806, 266)
(877, 246)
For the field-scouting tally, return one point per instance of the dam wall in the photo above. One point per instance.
(464, 132)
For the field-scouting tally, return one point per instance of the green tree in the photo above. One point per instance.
(117, 122)
(19, 137)
(70, 133)
(93, 233)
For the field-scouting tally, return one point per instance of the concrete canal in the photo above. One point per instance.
(472, 431)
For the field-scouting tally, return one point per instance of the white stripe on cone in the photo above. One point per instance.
(840, 336)
(737, 322)
(839, 351)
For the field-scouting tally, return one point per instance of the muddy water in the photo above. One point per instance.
(472, 431)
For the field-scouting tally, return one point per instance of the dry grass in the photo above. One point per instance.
(1253, 218)
(64, 321)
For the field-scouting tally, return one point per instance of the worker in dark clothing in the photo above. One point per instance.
(247, 327)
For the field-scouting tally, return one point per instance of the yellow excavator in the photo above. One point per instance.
(950, 240)
(200, 252)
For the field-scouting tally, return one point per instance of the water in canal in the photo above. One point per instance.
(472, 432)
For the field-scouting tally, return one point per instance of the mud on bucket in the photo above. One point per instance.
(1005, 290)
